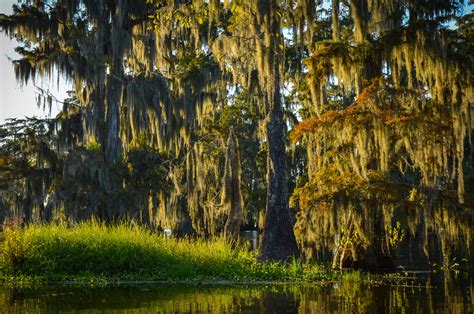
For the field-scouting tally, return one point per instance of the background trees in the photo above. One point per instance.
(381, 159)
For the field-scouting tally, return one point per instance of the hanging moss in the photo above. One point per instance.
(405, 131)
(386, 90)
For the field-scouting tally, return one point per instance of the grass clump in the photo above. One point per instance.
(92, 250)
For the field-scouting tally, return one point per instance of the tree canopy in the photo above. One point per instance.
(180, 113)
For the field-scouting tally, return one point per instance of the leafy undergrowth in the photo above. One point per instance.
(92, 251)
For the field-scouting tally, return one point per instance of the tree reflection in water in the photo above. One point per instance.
(443, 292)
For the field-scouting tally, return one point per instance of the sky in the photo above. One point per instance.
(19, 101)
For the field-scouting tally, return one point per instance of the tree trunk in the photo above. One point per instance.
(113, 148)
(278, 243)
(359, 12)
(335, 20)
(184, 224)
(231, 197)
(27, 207)
(349, 253)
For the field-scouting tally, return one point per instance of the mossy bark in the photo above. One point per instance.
(232, 197)
(278, 243)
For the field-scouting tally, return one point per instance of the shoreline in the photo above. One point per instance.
(370, 279)
(215, 284)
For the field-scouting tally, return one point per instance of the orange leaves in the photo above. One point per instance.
(369, 92)
(398, 120)
(310, 124)
(377, 101)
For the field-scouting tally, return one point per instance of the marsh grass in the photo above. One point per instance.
(92, 250)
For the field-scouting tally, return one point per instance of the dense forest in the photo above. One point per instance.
(341, 129)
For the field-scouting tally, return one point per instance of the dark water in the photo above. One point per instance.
(441, 293)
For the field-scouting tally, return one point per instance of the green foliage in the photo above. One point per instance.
(41, 182)
(93, 146)
(130, 252)
(395, 234)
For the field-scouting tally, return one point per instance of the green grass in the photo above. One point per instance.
(93, 251)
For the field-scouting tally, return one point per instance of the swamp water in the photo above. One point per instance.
(445, 292)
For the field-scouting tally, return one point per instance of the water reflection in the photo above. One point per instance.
(442, 293)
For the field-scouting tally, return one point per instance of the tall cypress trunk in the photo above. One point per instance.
(113, 147)
(99, 94)
(278, 241)
(27, 206)
(113, 86)
(335, 20)
(359, 12)
(231, 196)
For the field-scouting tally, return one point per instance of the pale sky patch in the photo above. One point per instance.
(19, 101)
